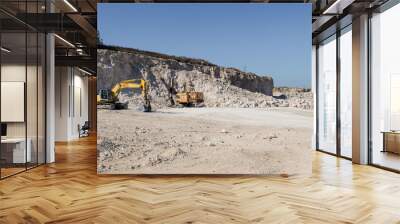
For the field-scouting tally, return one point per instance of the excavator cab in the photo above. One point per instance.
(103, 96)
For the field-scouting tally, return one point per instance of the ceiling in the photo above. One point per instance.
(74, 22)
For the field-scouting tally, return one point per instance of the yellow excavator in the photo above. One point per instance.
(111, 97)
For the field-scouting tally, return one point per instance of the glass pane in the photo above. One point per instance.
(386, 89)
(346, 92)
(41, 98)
(13, 87)
(31, 100)
(327, 95)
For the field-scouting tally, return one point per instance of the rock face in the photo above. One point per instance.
(246, 80)
(222, 87)
(165, 72)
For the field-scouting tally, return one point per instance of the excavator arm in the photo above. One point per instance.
(127, 84)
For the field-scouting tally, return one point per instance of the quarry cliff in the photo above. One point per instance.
(128, 63)
(167, 75)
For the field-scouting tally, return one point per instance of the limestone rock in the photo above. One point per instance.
(222, 87)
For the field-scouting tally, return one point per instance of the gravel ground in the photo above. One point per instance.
(205, 141)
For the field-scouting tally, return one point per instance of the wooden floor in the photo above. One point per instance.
(5, 172)
(387, 159)
(69, 191)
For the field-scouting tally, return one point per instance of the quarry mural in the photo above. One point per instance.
(168, 114)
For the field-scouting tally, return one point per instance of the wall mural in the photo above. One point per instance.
(204, 89)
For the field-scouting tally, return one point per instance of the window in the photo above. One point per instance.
(327, 95)
(346, 92)
(23, 77)
(385, 89)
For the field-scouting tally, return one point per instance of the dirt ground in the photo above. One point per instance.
(205, 141)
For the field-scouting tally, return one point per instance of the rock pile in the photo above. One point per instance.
(296, 97)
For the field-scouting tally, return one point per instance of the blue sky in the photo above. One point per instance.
(267, 39)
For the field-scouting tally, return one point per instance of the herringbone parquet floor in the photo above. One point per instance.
(70, 191)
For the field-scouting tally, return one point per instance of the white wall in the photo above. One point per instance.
(62, 82)
(33, 126)
(79, 111)
(12, 73)
(9, 73)
(71, 87)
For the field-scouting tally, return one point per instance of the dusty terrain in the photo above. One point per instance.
(205, 141)
(247, 125)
